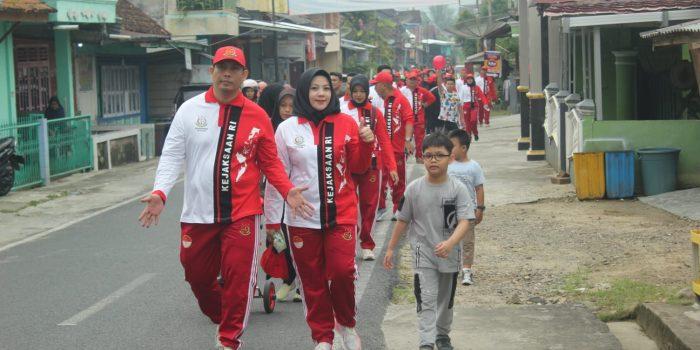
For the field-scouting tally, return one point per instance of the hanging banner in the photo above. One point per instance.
(310, 47)
(307, 7)
(492, 63)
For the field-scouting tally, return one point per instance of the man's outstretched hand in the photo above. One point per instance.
(298, 204)
(150, 214)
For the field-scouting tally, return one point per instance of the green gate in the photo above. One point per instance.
(70, 145)
(27, 145)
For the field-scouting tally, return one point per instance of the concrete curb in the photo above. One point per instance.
(669, 326)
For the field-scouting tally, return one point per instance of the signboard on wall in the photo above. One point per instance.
(493, 63)
(290, 48)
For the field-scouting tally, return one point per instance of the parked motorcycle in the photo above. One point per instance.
(9, 163)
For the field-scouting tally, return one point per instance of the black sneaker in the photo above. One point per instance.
(443, 342)
(476, 137)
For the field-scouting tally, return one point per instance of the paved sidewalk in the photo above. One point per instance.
(27, 213)
(510, 178)
(684, 203)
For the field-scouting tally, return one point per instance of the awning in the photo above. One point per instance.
(437, 42)
(687, 27)
(355, 45)
(284, 27)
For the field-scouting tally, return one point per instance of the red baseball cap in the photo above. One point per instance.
(229, 53)
(383, 77)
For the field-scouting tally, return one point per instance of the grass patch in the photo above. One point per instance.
(403, 292)
(617, 300)
(500, 112)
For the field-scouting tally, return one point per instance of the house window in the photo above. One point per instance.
(121, 91)
(33, 76)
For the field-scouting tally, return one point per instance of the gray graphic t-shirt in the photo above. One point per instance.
(432, 211)
(470, 174)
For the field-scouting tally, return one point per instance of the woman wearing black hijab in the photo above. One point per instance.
(320, 148)
(370, 182)
(268, 101)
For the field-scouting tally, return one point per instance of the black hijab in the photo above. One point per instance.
(268, 102)
(51, 113)
(362, 81)
(302, 104)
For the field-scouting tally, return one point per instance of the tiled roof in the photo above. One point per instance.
(25, 6)
(594, 7)
(687, 27)
(134, 20)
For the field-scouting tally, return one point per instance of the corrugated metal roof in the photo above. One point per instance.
(594, 7)
(687, 27)
(25, 6)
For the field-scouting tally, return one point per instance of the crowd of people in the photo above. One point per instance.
(328, 155)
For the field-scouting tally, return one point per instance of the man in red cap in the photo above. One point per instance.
(419, 98)
(399, 121)
(225, 142)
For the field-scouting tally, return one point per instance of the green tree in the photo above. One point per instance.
(369, 28)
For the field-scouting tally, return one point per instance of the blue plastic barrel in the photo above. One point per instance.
(619, 174)
(659, 169)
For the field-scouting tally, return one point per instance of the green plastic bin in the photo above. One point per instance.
(659, 169)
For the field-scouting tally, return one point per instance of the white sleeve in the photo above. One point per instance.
(172, 157)
(274, 203)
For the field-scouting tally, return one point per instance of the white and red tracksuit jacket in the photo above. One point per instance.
(224, 148)
(398, 114)
(416, 98)
(383, 154)
(322, 157)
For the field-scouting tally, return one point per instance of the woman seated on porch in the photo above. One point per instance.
(54, 110)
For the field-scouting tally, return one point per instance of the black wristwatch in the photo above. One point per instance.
(482, 207)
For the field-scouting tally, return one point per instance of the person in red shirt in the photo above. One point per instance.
(473, 99)
(419, 98)
(225, 142)
(369, 183)
(488, 86)
(399, 121)
(321, 147)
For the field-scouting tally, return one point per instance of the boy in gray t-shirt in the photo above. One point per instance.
(469, 172)
(436, 210)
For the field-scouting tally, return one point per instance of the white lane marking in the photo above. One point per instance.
(70, 223)
(98, 306)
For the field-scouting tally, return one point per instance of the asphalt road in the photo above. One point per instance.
(106, 283)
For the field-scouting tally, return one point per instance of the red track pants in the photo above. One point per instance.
(208, 249)
(325, 262)
(368, 186)
(470, 118)
(398, 188)
(419, 135)
(484, 116)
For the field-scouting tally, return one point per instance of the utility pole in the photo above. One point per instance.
(274, 42)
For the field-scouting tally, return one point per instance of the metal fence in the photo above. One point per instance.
(70, 145)
(66, 144)
(27, 141)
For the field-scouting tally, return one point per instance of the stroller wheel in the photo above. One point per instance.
(269, 296)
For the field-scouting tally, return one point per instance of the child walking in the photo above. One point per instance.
(435, 233)
(469, 172)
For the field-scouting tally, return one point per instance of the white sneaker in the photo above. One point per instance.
(380, 214)
(297, 297)
(367, 254)
(349, 337)
(467, 277)
(283, 292)
(394, 217)
(323, 346)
